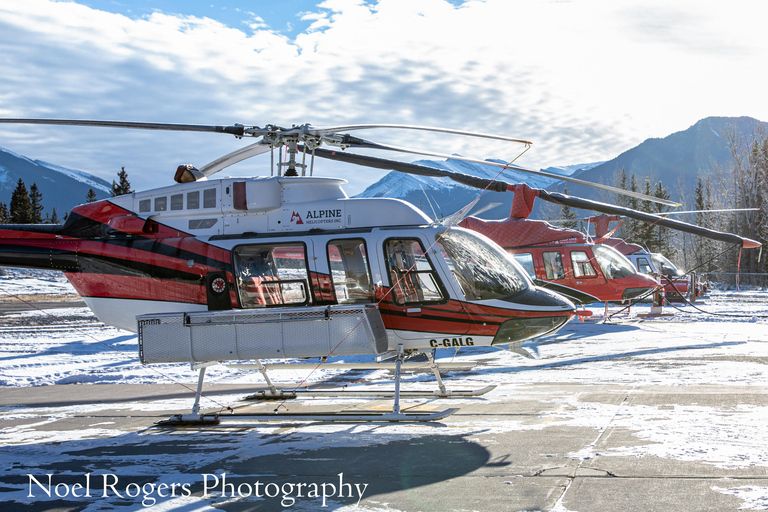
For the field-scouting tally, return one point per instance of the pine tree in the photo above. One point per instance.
(21, 209)
(699, 203)
(4, 217)
(90, 196)
(36, 203)
(662, 236)
(54, 217)
(621, 182)
(644, 235)
(568, 214)
(629, 226)
(123, 186)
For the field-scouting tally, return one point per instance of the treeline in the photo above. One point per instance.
(26, 206)
(740, 188)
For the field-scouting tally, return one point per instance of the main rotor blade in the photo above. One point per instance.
(353, 127)
(587, 204)
(408, 168)
(553, 197)
(466, 179)
(664, 214)
(375, 145)
(712, 211)
(236, 130)
(234, 157)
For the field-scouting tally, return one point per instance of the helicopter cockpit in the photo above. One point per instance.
(613, 264)
(665, 266)
(482, 270)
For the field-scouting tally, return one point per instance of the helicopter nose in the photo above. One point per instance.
(543, 298)
(546, 313)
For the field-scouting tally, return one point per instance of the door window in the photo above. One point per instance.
(271, 275)
(581, 265)
(413, 279)
(643, 266)
(525, 260)
(553, 265)
(350, 275)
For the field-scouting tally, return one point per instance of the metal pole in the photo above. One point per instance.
(398, 362)
(263, 370)
(196, 406)
(436, 371)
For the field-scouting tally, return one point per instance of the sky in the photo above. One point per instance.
(583, 80)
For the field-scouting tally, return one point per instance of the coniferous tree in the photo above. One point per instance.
(54, 217)
(644, 235)
(569, 215)
(123, 186)
(661, 235)
(4, 217)
(90, 196)
(629, 226)
(21, 208)
(36, 203)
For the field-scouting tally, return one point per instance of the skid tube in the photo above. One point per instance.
(397, 415)
(442, 392)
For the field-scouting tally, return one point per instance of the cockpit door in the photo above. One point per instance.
(418, 303)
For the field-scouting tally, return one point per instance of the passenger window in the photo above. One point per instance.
(581, 265)
(145, 205)
(193, 200)
(413, 279)
(526, 261)
(177, 202)
(350, 275)
(553, 265)
(209, 198)
(271, 275)
(161, 204)
(202, 223)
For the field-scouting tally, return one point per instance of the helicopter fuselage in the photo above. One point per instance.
(260, 243)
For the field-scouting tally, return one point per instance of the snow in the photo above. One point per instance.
(723, 343)
(80, 176)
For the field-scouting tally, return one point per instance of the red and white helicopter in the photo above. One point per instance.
(287, 266)
(586, 269)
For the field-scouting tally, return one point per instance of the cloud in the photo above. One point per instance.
(582, 80)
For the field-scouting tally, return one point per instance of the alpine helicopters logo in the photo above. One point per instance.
(317, 217)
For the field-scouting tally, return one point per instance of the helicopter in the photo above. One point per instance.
(676, 284)
(287, 266)
(563, 259)
(586, 270)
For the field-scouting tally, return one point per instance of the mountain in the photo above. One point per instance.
(62, 188)
(676, 160)
(440, 197)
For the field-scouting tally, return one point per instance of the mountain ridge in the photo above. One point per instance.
(62, 188)
(676, 160)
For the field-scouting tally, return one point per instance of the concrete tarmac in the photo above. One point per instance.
(461, 463)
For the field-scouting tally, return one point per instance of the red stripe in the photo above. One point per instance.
(103, 211)
(131, 287)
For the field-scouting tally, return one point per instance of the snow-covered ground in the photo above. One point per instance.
(722, 343)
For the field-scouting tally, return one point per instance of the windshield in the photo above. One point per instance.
(613, 264)
(665, 266)
(482, 269)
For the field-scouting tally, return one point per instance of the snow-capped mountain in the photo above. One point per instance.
(439, 197)
(676, 160)
(62, 188)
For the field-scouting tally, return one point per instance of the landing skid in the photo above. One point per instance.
(364, 393)
(351, 417)
(397, 415)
